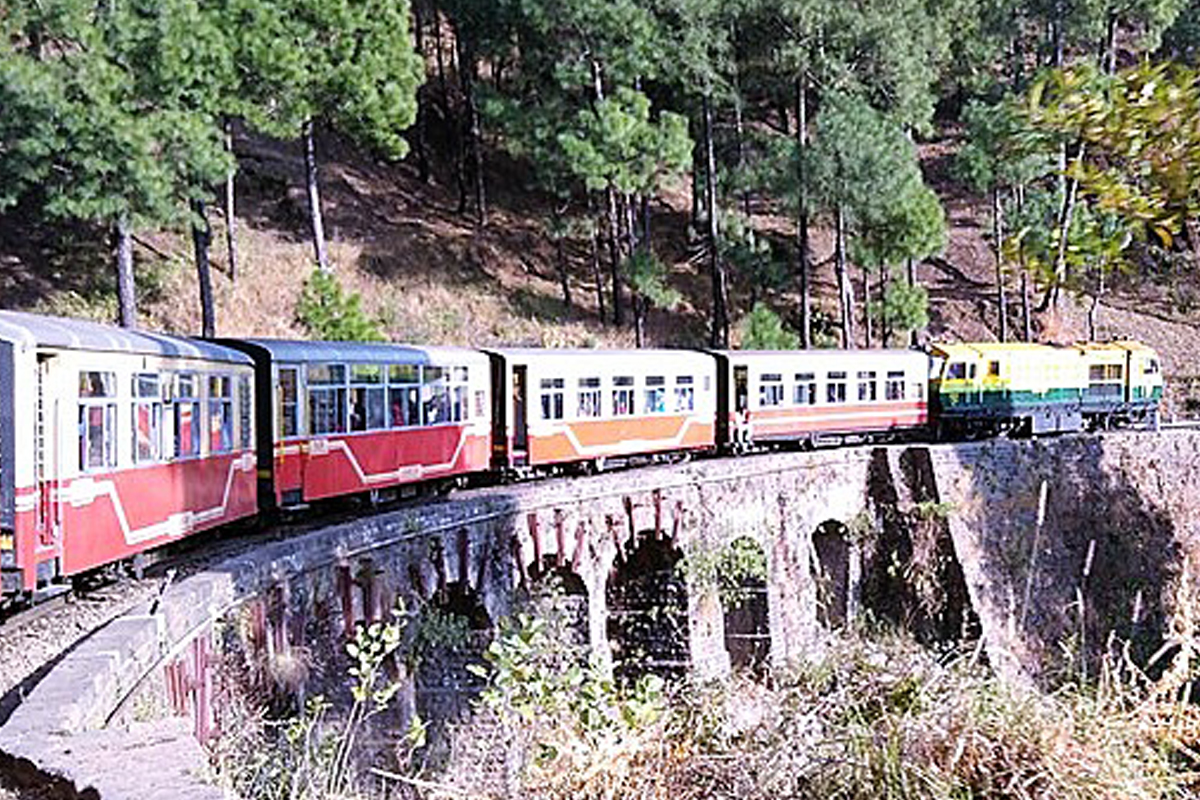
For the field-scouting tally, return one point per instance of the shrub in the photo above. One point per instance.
(329, 313)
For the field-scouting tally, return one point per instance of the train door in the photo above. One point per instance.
(47, 512)
(520, 398)
(289, 426)
(741, 403)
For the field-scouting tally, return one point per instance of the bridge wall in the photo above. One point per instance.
(946, 540)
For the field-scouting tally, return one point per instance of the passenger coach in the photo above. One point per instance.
(558, 407)
(113, 442)
(349, 417)
(817, 396)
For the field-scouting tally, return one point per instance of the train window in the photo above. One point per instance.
(867, 387)
(971, 371)
(589, 397)
(147, 419)
(97, 420)
(770, 389)
(993, 369)
(326, 398)
(186, 416)
(435, 394)
(956, 371)
(366, 373)
(622, 396)
(894, 388)
(404, 395)
(461, 407)
(552, 398)
(1114, 372)
(325, 374)
(480, 403)
(220, 414)
(245, 413)
(685, 393)
(461, 374)
(289, 403)
(835, 387)
(655, 394)
(804, 393)
(367, 407)
(1152, 367)
(404, 373)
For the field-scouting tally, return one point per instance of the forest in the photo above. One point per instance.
(1076, 119)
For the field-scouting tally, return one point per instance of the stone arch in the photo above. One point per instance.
(647, 604)
(453, 630)
(831, 572)
(559, 595)
(744, 602)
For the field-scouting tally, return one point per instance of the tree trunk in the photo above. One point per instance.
(201, 239)
(614, 255)
(126, 289)
(845, 290)
(1110, 43)
(1064, 225)
(867, 323)
(597, 271)
(911, 272)
(1057, 48)
(697, 159)
(230, 216)
(474, 149)
(885, 324)
(1019, 195)
(1093, 312)
(560, 256)
(314, 198)
(998, 239)
(421, 143)
(720, 321)
(639, 319)
(803, 254)
(646, 221)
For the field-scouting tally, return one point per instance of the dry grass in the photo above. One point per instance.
(877, 719)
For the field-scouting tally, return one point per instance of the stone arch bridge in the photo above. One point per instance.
(995, 540)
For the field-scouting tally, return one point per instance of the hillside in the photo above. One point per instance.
(433, 277)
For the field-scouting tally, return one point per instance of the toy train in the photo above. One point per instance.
(114, 442)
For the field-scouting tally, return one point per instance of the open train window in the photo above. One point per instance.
(655, 394)
(435, 395)
(97, 420)
(622, 396)
(589, 397)
(186, 415)
(867, 388)
(147, 418)
(804, 393)
(993, 369)
(220, 414)
(404, 395)
(770, 389)
(835, 387)
(894, 386)
(552, 390)
(685, 393)
(957, 371)
(367, 407)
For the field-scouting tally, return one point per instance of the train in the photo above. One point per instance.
(114, 442)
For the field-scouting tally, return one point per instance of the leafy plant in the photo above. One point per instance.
(762, 329)
(329, 313)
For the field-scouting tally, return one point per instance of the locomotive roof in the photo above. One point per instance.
(33, 330)
(357, 352)
(1078, 348)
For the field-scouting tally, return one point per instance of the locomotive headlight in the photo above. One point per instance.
(8, 554)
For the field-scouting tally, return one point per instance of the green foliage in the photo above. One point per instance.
(750, 254)
(618, 145)
(904, 308)
(647, 275)
(762, 329)
(730, 570)
(912, 226)
(533, 678)
(328, 313)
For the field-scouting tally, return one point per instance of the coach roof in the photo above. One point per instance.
(32, 330)
(294, 351)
